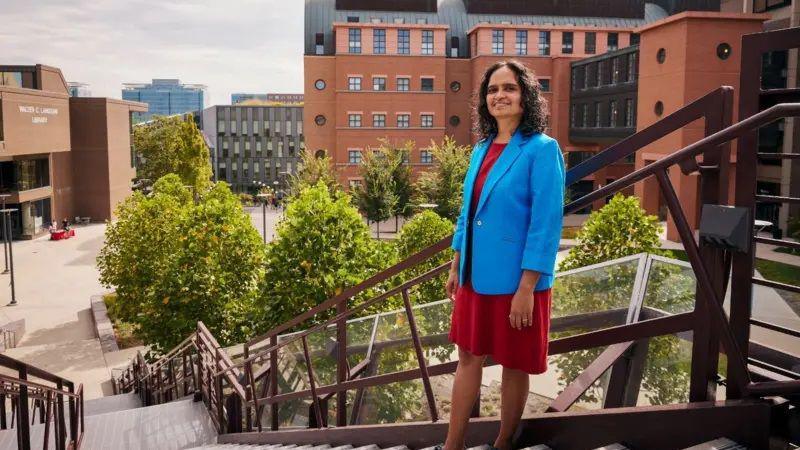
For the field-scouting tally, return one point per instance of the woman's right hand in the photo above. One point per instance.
(452, 284)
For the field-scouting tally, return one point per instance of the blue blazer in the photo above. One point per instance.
(517, 223)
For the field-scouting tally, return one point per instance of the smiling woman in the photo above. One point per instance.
(505, 244)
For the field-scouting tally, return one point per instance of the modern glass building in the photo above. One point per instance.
(78, 89)
(165, 97)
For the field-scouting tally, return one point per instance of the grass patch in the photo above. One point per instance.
(124, 332)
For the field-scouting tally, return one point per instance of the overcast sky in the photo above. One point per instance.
(228, 45)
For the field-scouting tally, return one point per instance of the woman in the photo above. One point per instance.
(505, 244)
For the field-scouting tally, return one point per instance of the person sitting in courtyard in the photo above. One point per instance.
(65, 224)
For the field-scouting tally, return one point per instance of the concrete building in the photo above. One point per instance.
(79, 89)
(253, 146)
(256, 99)
(165, 97)
(61, 156)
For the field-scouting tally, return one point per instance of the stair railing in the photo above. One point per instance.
(26, 397)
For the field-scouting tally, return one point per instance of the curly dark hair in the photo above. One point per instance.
(534, 107)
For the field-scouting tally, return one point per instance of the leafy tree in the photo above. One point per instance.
(444, 185)
(618, 229)
(422, 231)
(174, 261)
(173, 145)
(322, 246)
(311, 171)
(376, 197)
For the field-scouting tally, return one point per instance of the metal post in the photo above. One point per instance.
(5, 235)
(264, 220)
(6, 218)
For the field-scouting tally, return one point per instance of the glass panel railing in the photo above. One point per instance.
(667, 370)
(562, 369)
(593, 298)
(671, 286)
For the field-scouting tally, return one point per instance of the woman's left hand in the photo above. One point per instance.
(521, 309)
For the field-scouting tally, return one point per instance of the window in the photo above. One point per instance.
(245, 169)
(256, 169)
(233, 127)
(352, 19)
(354, 184)
(354, 156)
(280, 148)
(766, 5)
(403, 120)
(426, 120)
(426, 84)
(597, 122)
(244, 127)
(403, 42)
(225, 148)
(634, 38)
(612, 113)
(544, 83)
(320, 120)
(379, 83)
(403, 84)
(601, 66)
(379, 41)
(354, 83)
(427, 42)
(354, 120)
(723, 50)
(521, 44)
(455, 121)
(255, 127)
(266, 128)
(590, 44)
(319, 48)
(258, 147)
(354, 40)
(288, 128)
(544, 43)
(247, 147)
(221, 127)
(614, 70)
(584, 115)
(613, 41)
(454, 46)
(497, 42)
(573, 120)
(379, 120)
(629, 123)
(234, 170)
(426, 157)
(574, 78)
(222, 171)
(566, 42)
(236, 148)
(632, 67)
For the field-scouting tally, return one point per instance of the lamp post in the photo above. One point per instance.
(3, 198)
(263, 197)
(7, 232)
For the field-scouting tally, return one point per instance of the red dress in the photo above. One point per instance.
(480, 324)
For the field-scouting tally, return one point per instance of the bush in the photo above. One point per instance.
(618, 229)
(422, 231)
(322, 246)
(173, 262)
(444, 185)
(246, 199)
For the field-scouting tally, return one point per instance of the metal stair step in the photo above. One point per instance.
(718, 444)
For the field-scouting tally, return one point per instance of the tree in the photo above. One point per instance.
(376, 197)
(321, 247)
(173, 145)
(311, 171)
(445, 184)
(618, 229)
(174, 261)
(422, 231)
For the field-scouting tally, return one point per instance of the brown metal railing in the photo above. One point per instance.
(227, 387)
(28, 397)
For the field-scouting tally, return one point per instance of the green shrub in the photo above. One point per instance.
(422, 231)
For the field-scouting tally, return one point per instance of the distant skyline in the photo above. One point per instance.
(251, 46)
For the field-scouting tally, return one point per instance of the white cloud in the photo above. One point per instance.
(230, 45)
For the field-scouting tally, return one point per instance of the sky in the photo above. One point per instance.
(228, 45)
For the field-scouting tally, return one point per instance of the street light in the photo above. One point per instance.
(263, 198)
(3, 198)
(7, 232)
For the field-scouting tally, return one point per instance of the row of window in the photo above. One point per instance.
(269, 172)
(256, 127)
(567, 42)
(379, 41)
(224, 148)
(354, 83)
(581, 115)
(619, 69)
(355, 157)
(379, 120)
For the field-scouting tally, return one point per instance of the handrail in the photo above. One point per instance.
(11, 363)
(734, 131)
(32, 384)
(341, 316)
